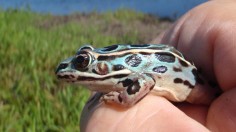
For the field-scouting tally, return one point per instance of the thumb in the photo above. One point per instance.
(222, 113)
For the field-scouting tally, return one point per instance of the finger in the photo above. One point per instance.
(196, 112)
(207, 38)
(222, 115)
(91, 105)
(152, 113)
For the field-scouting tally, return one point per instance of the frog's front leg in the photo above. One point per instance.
(136, 86)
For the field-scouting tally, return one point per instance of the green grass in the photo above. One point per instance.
(31, 46)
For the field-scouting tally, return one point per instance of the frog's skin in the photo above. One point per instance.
(127, 73)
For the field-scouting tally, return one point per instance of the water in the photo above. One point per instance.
(163, 8)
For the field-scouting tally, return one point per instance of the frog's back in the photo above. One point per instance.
(137, 47)
(150, 58)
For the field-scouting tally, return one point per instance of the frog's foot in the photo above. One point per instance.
(111, 97)
(136, 86)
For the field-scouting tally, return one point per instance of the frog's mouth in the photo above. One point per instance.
(66, 76)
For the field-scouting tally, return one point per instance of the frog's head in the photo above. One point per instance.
(72, 68)
(88, 68)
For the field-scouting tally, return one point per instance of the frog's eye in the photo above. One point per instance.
(82, 61)
(88, 47)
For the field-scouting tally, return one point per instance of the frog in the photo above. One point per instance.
(126, 73)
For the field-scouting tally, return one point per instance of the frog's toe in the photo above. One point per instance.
(110, 97)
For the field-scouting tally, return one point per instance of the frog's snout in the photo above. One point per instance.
(61, 67)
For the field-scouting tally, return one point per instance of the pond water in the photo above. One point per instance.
(163, 8)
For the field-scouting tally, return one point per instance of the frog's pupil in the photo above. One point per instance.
(80, 59)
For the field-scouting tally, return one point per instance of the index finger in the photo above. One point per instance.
(208, 40)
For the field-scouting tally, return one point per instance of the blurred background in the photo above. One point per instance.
(35, 35)
(163, 8)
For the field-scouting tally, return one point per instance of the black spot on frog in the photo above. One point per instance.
(133, 60)
(160, 69)
(183, 63)
(165, 57)
(118, 67)
(110, 48)
(139, 45)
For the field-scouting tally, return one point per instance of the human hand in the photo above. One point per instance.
(205, 36)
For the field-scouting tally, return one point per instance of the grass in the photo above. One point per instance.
(31, 46)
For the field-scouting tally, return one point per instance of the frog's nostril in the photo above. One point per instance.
(61, 66)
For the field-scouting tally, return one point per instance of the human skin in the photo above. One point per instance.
(206, 35)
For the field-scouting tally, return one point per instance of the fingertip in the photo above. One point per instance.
(222, 115)
(196, 112)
